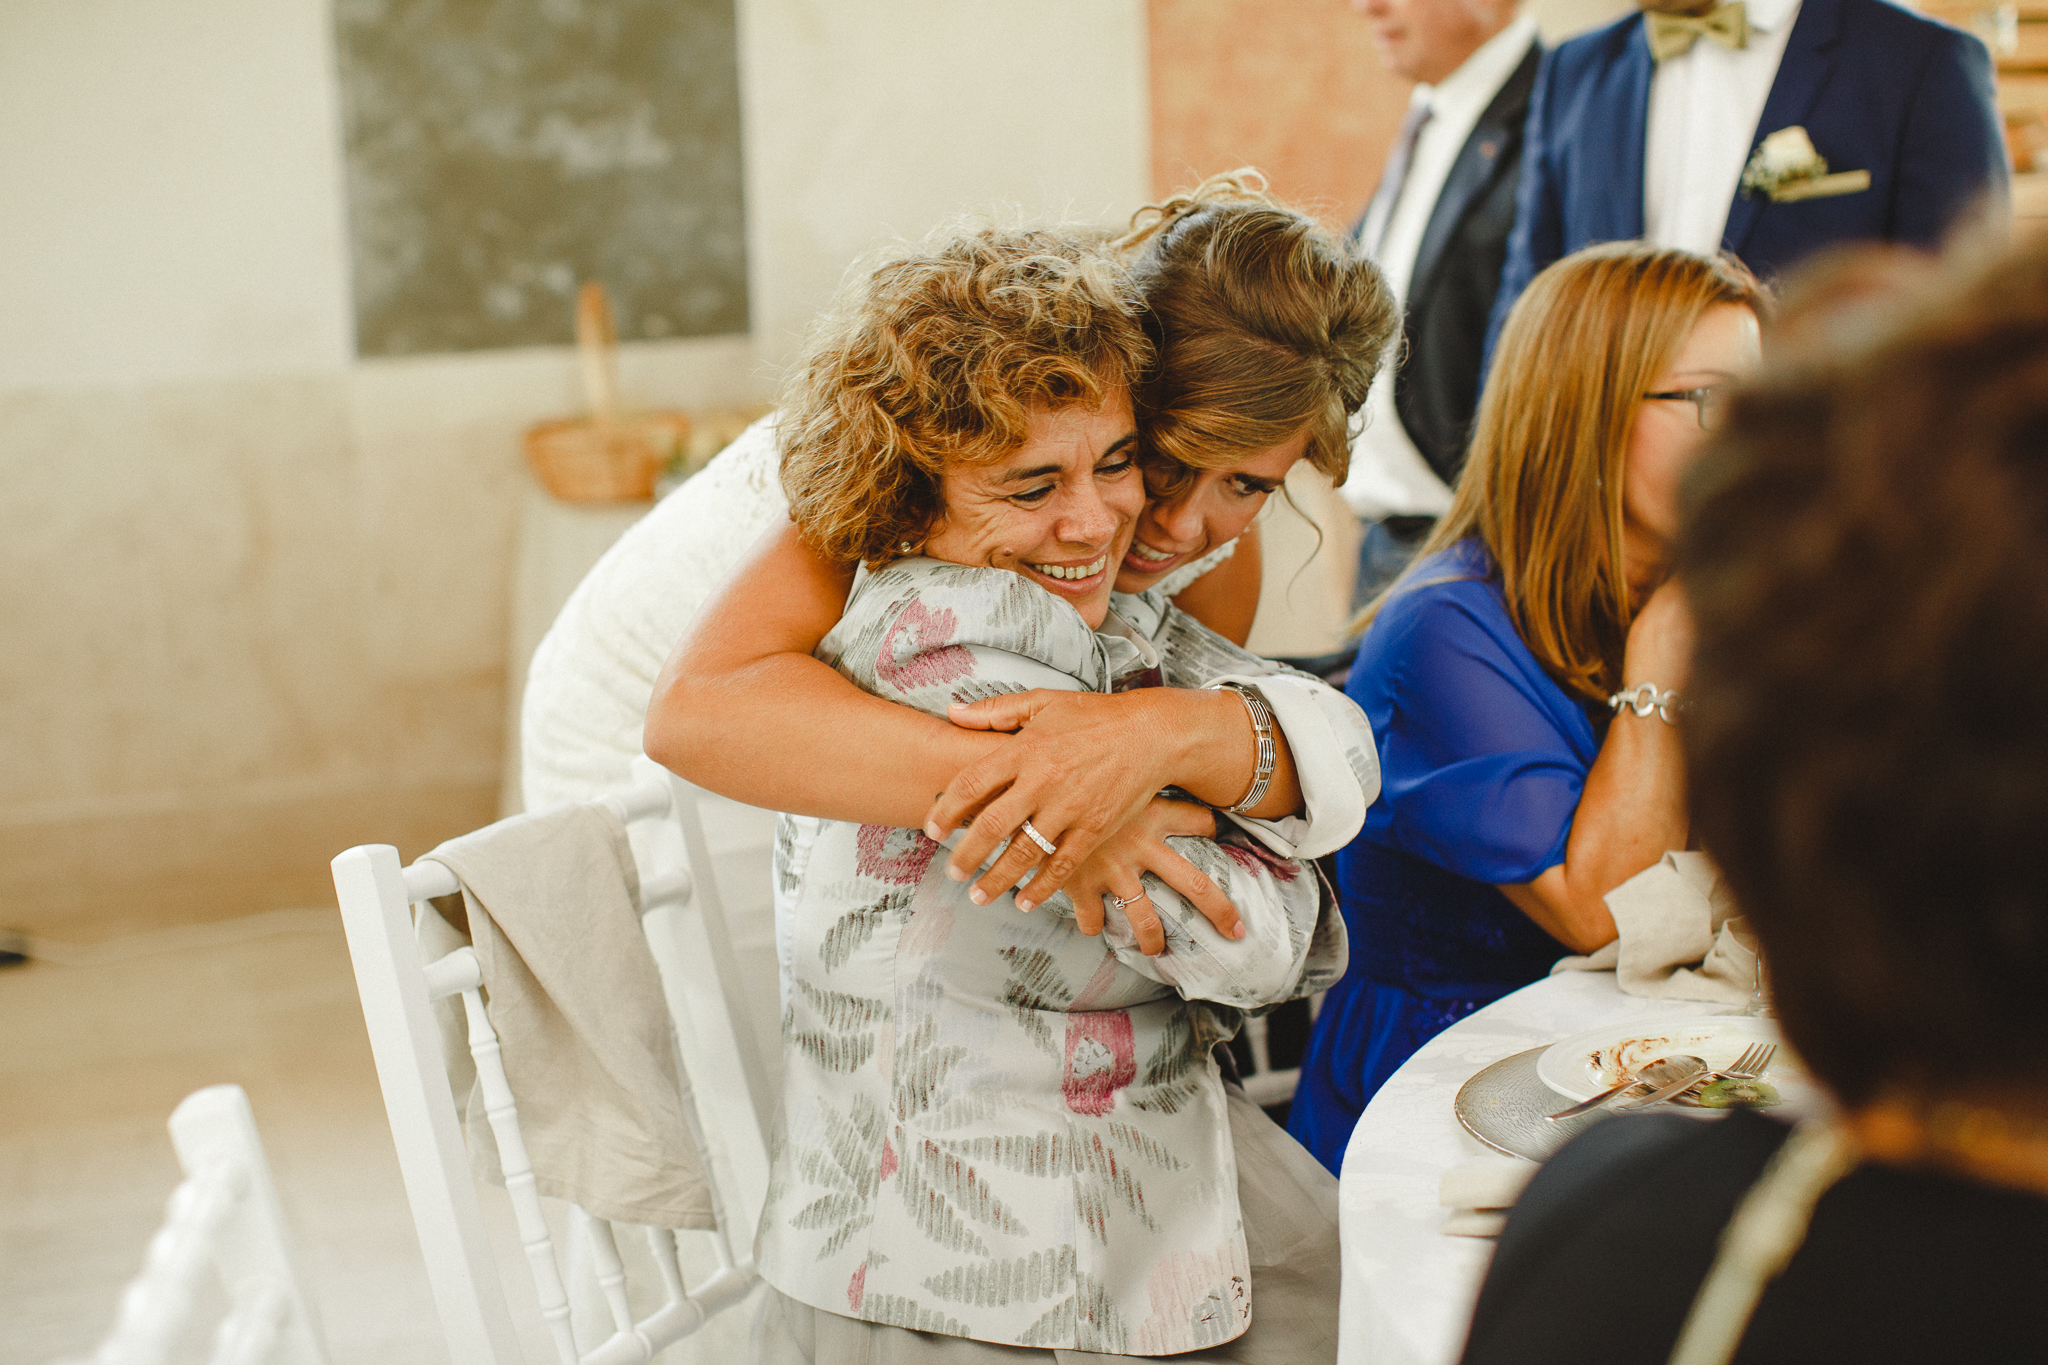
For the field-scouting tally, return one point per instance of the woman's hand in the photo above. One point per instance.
(1139, 846)
(1084, 765)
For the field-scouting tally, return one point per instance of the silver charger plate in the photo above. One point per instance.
(1504, 1107)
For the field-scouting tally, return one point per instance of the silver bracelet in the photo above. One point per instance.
(1644, 699)
(1262, 725)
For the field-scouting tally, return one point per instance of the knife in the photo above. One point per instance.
(1628, 1083)
(1695, 1071)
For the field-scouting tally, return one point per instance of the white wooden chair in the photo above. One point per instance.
(225, 1215)
(378, 899)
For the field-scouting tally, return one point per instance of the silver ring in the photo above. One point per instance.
(1121, 901)
(1031, 832)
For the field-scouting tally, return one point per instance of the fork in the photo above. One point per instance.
(1751, 1065)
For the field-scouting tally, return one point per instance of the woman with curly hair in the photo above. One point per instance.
(1001, 1131)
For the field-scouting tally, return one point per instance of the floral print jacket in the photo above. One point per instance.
(992, 1125)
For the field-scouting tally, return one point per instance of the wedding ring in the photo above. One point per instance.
(1121, 901)
(1031, 832)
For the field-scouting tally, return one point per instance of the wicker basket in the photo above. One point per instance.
(608, 456)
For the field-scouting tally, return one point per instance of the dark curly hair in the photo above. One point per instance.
(1866, 553)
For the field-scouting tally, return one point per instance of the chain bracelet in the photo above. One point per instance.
(1645, 699)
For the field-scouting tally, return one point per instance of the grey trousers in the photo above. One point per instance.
(1290, 1229)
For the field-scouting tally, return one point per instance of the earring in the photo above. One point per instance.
(906, 547)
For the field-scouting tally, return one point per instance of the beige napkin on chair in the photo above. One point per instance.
(552, 903)
(1676, 939)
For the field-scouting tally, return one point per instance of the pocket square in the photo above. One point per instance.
(1787, 167)
(1820, 187)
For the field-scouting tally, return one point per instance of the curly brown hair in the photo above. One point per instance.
(1264, 323)
(934, 355)
(1866, 552)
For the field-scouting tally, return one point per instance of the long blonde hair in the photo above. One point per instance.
(1542, 485)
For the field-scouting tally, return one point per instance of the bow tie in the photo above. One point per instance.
(1672, 35)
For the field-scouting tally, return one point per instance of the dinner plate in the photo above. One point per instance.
(1504, 1107)
(1585, 1064)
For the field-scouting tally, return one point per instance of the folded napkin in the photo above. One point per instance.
(1678, 936)
(1479, 1191)
(552, 906)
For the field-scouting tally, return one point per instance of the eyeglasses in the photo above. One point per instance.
(1711, 403)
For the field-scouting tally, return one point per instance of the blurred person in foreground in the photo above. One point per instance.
(1518, 784)
(1772, 129)
(1437, 227)
(1866, 559)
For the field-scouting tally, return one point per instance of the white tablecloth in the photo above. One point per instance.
(1408, 1289)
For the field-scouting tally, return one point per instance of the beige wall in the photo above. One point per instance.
(1295, 89)
(254, 593)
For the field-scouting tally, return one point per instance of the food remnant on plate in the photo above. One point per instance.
(1728, 1093)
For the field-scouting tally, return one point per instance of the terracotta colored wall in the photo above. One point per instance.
(1293, 88)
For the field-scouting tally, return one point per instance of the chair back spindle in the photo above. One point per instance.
(378, 900)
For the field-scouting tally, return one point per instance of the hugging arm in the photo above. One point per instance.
(743, 708)
(1326, 768)
(927, 636)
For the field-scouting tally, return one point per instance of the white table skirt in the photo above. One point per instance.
(1408, 1288)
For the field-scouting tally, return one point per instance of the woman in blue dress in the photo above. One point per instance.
(1521, 675)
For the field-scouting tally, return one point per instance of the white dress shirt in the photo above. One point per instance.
(1704, 108)
(1389, 477)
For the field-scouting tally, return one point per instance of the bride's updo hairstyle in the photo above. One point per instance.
(1264, 323)
(934, 355)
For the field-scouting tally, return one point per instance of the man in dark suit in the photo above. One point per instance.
(1656, 126)
(1438, 226)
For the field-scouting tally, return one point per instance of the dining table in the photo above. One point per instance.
(1408, 1286)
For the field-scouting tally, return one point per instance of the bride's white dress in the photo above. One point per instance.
(591, 678)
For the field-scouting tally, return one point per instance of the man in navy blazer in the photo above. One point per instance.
(1876, 88)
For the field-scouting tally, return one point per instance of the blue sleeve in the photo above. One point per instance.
(1954, 150)
(1478, 774)
(1538, 235)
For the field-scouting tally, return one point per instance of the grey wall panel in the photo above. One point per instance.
(501, 151)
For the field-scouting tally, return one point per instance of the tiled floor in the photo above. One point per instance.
(93, 1060)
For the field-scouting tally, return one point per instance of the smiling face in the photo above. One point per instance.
(1215, 507)
(1666, 436)
(1059, 509)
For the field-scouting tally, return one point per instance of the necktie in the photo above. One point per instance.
(1381, 210)
(1672, 35)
